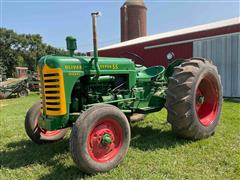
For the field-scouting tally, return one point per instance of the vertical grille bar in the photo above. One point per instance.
(52, 91)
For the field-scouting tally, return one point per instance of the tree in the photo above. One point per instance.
(22, 50)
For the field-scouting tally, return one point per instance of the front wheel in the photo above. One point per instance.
(100, 139)
(36, 133)
(194, 99)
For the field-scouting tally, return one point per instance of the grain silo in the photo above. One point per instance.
(133, 20)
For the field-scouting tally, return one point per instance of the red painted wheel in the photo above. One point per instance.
(43, 132)
(194, 99)
(36, 133)
(100, 139)
(47, 134)
(207, 100)
(105, 140)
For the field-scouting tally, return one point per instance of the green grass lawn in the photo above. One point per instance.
(155, 152)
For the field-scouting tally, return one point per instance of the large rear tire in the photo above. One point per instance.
(100, 139)
(37, 134)
(194, 99)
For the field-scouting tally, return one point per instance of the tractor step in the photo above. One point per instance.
(136, 117)
(147, 110)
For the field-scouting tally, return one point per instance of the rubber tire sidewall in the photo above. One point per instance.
(33, 132)
(25, 94)
(181, 98)
(80, 134)
(203, 73)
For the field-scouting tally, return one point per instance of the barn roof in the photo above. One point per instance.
(214, 25)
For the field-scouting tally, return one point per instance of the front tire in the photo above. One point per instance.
(37, 134)
(194, 99)
(100, 139)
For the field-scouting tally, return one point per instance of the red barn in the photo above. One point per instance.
(219, 41)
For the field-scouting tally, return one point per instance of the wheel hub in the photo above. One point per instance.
(201, 99)
(106, 139)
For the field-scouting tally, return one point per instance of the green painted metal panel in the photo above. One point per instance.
(145, 91)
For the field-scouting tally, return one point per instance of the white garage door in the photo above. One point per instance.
(224, 51)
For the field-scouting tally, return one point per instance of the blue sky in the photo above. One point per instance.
(54, 20)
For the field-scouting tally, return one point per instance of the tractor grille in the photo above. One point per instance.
(52, 91)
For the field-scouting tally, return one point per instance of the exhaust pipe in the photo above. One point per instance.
(95, 46)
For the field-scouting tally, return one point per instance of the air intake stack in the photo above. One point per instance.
(133, 20)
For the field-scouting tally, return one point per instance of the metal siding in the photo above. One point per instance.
(238, 57)
(152, 57)
(150, 41)
(225, 54)
(235, 66)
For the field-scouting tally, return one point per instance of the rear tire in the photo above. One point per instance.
(23, 93)
(37, 134)
(194, 99)
(87, 141)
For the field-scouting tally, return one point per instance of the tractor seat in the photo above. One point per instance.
(149, 73)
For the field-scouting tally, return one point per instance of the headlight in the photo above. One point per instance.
(170, 56)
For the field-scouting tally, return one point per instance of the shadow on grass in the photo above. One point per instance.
(146, 138)
(25, 153)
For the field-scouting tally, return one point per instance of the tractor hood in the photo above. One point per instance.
(59, 74)
(82, 63)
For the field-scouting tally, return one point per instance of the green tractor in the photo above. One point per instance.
(97, 96)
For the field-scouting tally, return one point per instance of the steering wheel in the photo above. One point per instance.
(138, 65)
(135, 55)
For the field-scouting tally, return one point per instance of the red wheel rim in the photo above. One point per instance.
(207, 97)
(43, 132)
(46, 133)
(105, 152)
